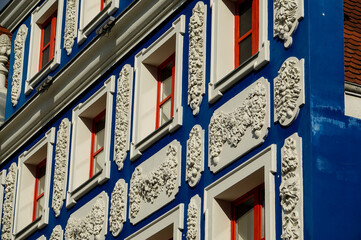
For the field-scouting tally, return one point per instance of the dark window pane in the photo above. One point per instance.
(245, 49)
(245, 220)
(99, 134)
(245, 17)
(47, 33)
(45, 59)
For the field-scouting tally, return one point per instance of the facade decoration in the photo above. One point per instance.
(118, 207)
(122, 115)
(197, 37)
(18, 64)
(8, 207)
(57, 233)
(61, 165)
(5, 49)
(195, 155)
(291, 188)
(92, 225)
(70, 25)
(194, 218)
(152, 185)
(248, 123)
(287, 14)
(289, 91)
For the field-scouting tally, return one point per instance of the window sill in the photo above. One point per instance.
(31, 228)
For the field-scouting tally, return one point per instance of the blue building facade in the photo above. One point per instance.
(214, 119)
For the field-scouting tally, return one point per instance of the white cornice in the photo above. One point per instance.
(143, 17)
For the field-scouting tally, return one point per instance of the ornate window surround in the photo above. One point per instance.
(93, 105)
(38, 17)
(143, 138)
(219, 195)
(223, 73)
(44, 148)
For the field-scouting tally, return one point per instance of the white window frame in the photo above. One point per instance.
(173, 217)
(140, 143)
(39, 15)
(223, 72)
(76, 192)
(86, 28)
(26, 159)
(219, 196)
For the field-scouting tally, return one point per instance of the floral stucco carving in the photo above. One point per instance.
(18, 64)
(8, 206)
(57, 233)
(118, 207)
(89, 226)
(289, 91)
(5, 47)
(287, 14)
(70, 26)
(122, 116)
(231, 127)
(291, 188)
(61, 165)
(153, 184)
(195, 155)
(196, 82)
(193, 218)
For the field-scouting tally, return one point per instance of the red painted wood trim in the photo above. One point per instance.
(92, 147)
(51, 43)
(36, 187)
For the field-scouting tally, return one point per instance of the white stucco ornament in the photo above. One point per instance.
(5, 47)
(8, 207)
(289, 94)
(118, 207)
(155, 182)
(70, 26)
(291, 189)
(194, 218)
(195, 155)
(61, 165)
(19, 48)
(239, 125)
(197, 37)
(57, 233)
(286, 15)
(122, 115)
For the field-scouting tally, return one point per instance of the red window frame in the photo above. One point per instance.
(51, 44)
(254, 30)
(36, 196)
(102, 4)
(94, 153)
(258, 194)
(164, 64)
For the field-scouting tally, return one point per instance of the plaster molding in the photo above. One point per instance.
(197, 44)
(89, 221)
(2, 188)
(239, 125)
(19, 48)
(195, 155)
(122, 115)
(194, 218)
(70, 25)
(153, 185)
(291, 193)
(5, 50)
(286, 16)
(61, 165)
(8, 207)
(118, 207)
(57, 233)
(289, 94)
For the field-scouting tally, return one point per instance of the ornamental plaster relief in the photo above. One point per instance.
(61, 165)
(8, 207)
(289, 94)
(287, 14)
(19, 48)
(195, 155)
(239, 125)
(57, 233)
(291, 189)
(155, 182)
(118, 207)
(5, 49)
(70, 25)
(194, 219)
(90, 221)
(122, 115)
(197, 43)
